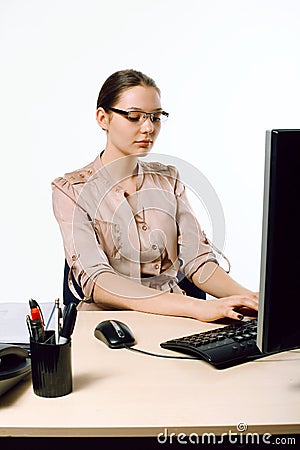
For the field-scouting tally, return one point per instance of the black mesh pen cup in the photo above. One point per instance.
(51, 367)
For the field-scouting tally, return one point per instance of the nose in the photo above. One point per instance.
(147, 126)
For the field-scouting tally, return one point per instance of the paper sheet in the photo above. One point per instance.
(13, 328)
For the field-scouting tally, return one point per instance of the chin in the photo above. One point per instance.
(139, 153)
(144, 152)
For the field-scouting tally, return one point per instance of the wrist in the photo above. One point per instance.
(194, 308)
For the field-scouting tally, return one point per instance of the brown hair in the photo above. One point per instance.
(118, 82)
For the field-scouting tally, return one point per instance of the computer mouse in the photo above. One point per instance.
(115, 334)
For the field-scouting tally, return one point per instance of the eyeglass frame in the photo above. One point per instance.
(151, 115)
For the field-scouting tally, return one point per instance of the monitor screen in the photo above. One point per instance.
(279, 298)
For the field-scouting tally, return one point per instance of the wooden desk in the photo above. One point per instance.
(123, 393)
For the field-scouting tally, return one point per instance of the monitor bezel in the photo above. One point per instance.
(277, 324)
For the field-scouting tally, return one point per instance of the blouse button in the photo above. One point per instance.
(154, 247)
(144, 227)
(156, 266)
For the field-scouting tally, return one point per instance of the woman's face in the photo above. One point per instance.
(125, 137)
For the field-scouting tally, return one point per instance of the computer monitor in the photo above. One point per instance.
(279, 298)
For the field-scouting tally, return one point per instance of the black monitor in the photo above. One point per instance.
(279, 298)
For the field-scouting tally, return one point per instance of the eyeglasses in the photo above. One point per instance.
(141, 116)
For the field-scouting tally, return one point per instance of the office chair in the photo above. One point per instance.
(69, 297)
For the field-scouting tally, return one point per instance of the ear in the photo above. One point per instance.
(102, 118)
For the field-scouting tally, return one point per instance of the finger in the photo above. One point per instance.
(234, 314)
(241, 301)
(255, 296)
(246, 311)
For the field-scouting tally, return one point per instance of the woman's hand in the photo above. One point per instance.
(233, 307)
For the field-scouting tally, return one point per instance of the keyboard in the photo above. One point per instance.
(222, 347)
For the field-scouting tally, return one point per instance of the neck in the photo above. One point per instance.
(119, 167)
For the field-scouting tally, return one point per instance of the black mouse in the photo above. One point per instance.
(115, 334)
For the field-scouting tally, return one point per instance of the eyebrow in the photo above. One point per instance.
(135, 108)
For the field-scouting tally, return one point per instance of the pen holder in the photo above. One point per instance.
(51, 367)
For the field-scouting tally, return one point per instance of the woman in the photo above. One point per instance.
(126, 224)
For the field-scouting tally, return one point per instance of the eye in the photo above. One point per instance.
(157, 117)
(134, 116)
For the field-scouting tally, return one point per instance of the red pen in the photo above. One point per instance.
(36, 312)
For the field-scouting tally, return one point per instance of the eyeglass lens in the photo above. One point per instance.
(139, 116)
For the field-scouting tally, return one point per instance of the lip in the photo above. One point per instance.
(145, 142)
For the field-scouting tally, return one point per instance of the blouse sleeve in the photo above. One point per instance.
(194, 248)
(83, 251)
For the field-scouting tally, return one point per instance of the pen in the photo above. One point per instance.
(69, 319)
(57, 320)
(35, 311)
(28, 322)
(37, 330)
(50, 317)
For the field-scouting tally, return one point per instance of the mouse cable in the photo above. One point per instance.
(160, 355)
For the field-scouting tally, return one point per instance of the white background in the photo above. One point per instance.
(228, 71)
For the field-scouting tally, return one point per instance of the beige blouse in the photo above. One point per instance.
(148, 236)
